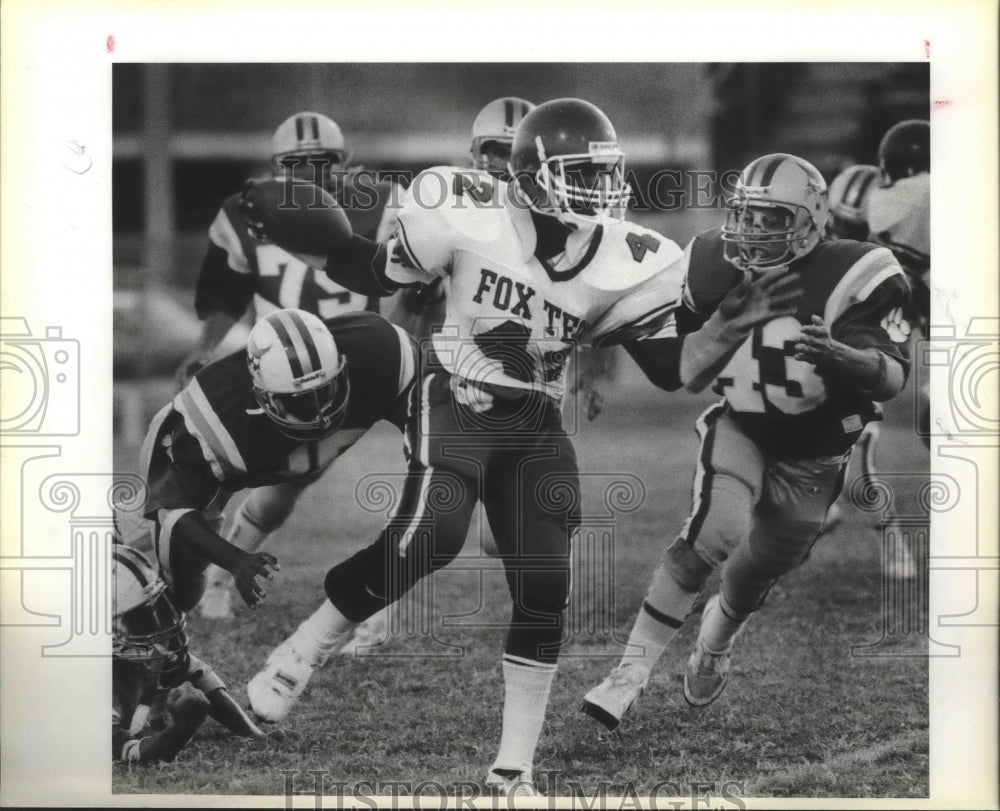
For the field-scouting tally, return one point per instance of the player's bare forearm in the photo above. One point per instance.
(706, 352)
(868, 370)
(194, 532)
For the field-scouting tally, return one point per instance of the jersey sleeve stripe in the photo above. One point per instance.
(856, 284)
(218, 446)
(152, 437)
(407, 363)
(222, 233)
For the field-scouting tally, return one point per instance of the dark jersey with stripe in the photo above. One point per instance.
(789, 406)
(215, 435)
(237, 268)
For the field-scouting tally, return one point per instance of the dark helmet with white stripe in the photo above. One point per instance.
(309, 146)
(146, 627)
(299, 376)
(777, 214)
(493, 134)
(567, 163)
(849, 193)
(905, 150)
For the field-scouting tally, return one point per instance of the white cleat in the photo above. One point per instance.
(373, 631)
(217, 601)
(511, 782)
(900, 563)
(706, 674)
(275, 690)
(611, 699)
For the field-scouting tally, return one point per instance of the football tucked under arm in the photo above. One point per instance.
(306, 221)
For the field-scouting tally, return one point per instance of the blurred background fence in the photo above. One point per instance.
(187, 135)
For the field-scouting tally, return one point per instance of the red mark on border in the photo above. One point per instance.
(927, 48)
(110, 43)
(939, 103)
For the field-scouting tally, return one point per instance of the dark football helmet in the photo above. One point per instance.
(147, 628)
(566, 163)
(905, 150)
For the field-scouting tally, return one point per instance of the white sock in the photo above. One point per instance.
(660, 618)
(718, 626)
(317, 637)
(526, 695)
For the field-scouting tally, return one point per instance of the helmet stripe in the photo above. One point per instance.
(508, 112)
(310, 343)
(299, 130)
(294, 360)
(769, 171)
(866, 179)
(122, 558)
(315, 127)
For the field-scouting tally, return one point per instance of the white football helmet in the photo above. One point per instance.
(849, 201)
(299, 376)
(778, 213)
(304, 136)
(147, 628)
(493, 133)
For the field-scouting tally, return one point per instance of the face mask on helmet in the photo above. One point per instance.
(777, 215)
(311, 414)
(298, 376)
(492, 157)
(567, 164)
(147, 628)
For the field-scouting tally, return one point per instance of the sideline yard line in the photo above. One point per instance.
(838, 763)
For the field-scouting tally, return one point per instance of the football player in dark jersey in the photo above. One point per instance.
(153, 673)
(281, 411)
(237, 271)
(797, 391)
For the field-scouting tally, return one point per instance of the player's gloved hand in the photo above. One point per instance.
(247, 572)
(187, 705)
(297, 216)
(756, 301)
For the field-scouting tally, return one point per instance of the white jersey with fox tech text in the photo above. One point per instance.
(513, 319)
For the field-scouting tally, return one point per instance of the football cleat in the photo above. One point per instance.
(275, 690)
(611, 699)
(511, 782)
(217, 601)
(367, 635)
(708, 670)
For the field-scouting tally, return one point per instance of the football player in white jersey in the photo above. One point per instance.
(238, 271)
(531, 269)
(797, 392)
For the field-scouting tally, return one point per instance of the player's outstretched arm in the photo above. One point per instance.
(750, 303)
(249, 569)
(213, 332)
(223, 708)
(869, 371)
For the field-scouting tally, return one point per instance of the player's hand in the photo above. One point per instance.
(297, 216)
(187, 705)
(249, 571)
(815, 344)
(756, 301)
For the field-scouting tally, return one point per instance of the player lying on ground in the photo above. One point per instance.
(238, 272)
(798, 388)
(531, 269)
(161, 693)
(301, 394)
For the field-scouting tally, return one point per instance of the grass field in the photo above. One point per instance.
(801, 717)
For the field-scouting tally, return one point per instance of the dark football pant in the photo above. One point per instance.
(517, 459)
(759, 515)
